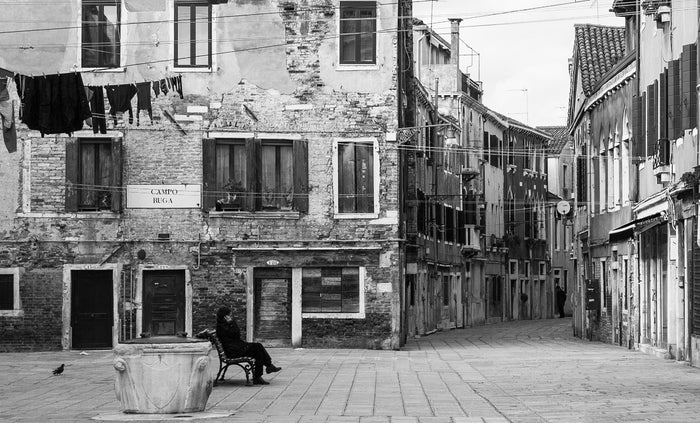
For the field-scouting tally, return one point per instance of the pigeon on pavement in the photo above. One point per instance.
(58, 370)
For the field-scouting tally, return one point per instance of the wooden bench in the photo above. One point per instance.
(245, 363)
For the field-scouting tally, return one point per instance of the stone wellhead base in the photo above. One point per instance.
(163, 375)
(121, 417)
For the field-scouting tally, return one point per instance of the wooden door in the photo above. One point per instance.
(92, 317)
(163, 302)
(273, 306)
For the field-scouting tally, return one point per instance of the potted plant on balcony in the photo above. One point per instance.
(233, 201)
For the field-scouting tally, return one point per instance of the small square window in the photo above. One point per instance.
(358, 36)
(331, 290)
(101, 37)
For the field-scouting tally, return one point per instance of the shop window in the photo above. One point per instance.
(356, 192)
(255, 175)
(101, 44)
(93, 174)
(10, 304)
(358, 32)
(331, 290)
(193, 34)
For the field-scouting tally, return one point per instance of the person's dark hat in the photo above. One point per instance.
(223, 312)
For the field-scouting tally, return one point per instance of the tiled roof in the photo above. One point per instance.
(599, 49)
(560, 136)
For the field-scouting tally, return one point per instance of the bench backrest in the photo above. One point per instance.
(211, 335)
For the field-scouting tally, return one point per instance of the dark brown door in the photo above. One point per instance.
(163, 302)
(91, 309)
(273, 306)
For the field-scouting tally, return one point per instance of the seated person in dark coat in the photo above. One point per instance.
(230, 336)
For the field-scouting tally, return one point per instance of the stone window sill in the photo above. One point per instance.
(333, 315)
(285, 215)
(11, 313)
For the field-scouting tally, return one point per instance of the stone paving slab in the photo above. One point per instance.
(532, 371)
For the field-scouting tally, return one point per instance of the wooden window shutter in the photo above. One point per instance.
(687, 91)
(663, 104)
(116, 177)
(674, 112)
(693, 83)
(253, 174)
(209, 194)
(637, 138)
(695, 263)
(643, 128)
(301, 176)
(651, 128)
(72, 160)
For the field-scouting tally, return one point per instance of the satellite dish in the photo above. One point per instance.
(563, 207)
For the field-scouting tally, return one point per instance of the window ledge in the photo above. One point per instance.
(79, 215)
(120, 69)
(11, 313)
(193, 70)
(285, 215)
(356, 216)
(333, 315)
(358, 67)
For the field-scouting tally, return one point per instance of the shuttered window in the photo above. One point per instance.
(449, 224)
(330, 290)
(356, 178)
(674, 100)
(93, 174)
(254, 175)
(651, 119)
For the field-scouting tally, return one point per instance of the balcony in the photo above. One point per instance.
(662, 160)
(472, 246)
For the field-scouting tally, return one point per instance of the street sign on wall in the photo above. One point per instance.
(163, 196)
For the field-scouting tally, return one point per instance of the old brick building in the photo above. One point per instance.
(271, 184)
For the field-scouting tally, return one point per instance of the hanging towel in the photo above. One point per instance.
(143, 101)
(119, 97)
(7, 117)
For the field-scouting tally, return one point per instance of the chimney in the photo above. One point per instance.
(454, 51)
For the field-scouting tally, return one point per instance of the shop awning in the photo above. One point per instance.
(627, 230)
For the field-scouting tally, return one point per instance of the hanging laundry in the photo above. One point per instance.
(164, 86)
(177, 85)
(97, 106)
(53, 104)
(143, 101)
(156, 88)
(119, 97)
(7, 117)
(88, 94)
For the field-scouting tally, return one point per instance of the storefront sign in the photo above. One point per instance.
(163, 196)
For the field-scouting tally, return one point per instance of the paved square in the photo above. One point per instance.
(531, 371)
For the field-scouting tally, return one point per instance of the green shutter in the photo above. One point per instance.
(116, 177)
(253, 174)
(209, 194)
(72, 160)
(301, 176)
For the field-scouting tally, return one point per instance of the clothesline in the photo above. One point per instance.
(60, 103)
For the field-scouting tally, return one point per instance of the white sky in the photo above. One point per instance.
(532, 55)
